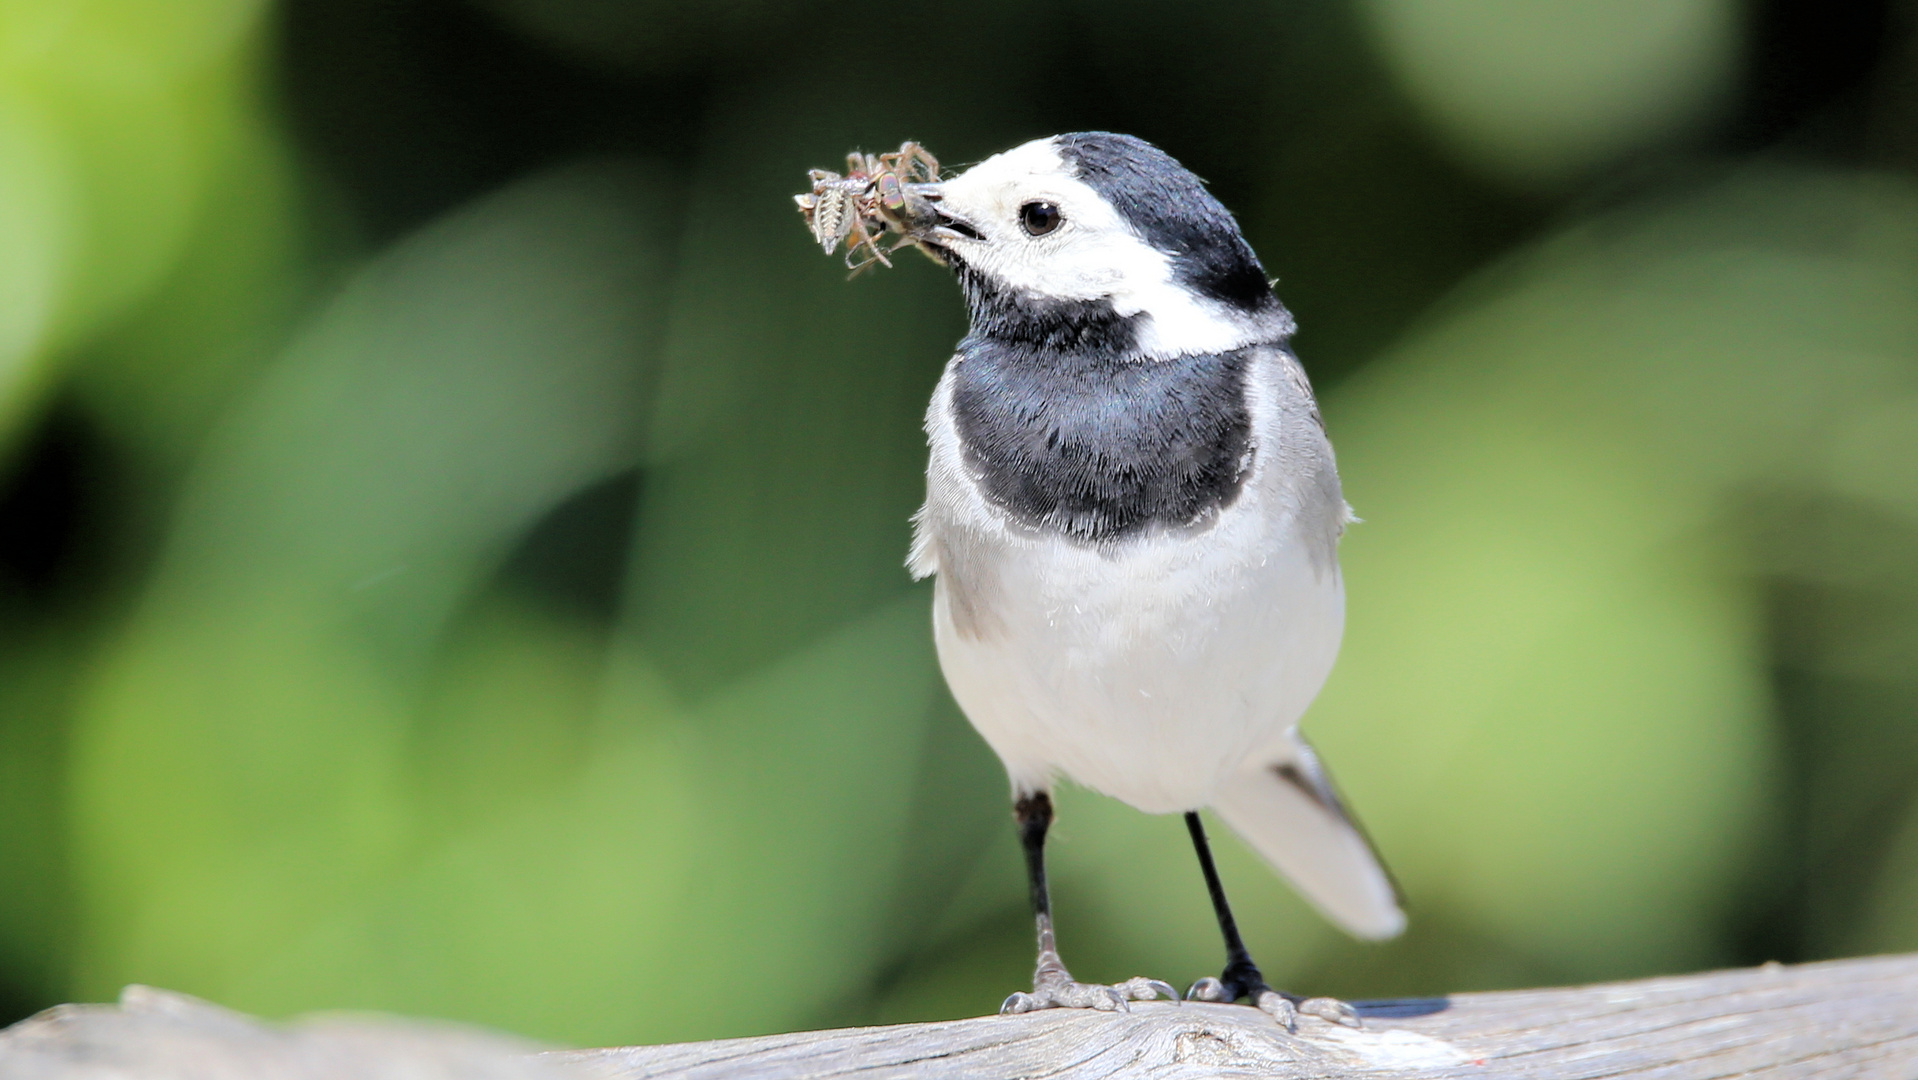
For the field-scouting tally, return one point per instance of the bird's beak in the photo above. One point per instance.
(914, 211)
(941, 223)
(930, 225)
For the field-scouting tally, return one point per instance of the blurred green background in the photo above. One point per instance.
(451, 517)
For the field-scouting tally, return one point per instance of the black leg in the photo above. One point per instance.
(1241, 977)
(1052, 985)
(1034, 814)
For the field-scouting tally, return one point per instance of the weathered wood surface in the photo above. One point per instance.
(1850, 1018)
(157, 1035)
(1841, 1019)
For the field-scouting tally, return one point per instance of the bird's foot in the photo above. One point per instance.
(1285, 1008)
(1056, 990)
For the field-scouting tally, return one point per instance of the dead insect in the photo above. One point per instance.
(834, 206)
(879, 192)
(898, 200)
(828, 208)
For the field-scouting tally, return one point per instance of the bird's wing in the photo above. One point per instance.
(1289, 811)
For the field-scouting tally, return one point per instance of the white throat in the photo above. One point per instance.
(1095, 255)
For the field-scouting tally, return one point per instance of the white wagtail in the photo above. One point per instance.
(1134, 514)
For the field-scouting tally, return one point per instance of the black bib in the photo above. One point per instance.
(1098, 447)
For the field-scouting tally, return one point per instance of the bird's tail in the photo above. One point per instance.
(1290, 812)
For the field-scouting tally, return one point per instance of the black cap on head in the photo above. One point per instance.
(1174, 212)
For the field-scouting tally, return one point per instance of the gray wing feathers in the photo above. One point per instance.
(1289, 812)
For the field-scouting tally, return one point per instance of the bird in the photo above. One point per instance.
(1132, 520)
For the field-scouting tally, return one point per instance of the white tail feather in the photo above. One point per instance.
(1288, 811)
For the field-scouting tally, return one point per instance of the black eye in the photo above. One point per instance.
(1039, 218)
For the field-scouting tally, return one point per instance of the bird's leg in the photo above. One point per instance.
(1241, 977)
(1052, 985)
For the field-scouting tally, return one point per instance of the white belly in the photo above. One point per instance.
(1150, 671)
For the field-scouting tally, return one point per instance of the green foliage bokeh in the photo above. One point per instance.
(454, 519)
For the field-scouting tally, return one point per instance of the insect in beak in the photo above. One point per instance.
(880, 193)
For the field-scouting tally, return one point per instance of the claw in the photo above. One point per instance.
(1280, 1008)
(1143, 989)
(1207, 989)
(1055, 990)
(1332, 1009)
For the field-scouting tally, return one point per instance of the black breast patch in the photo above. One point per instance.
(1098, 447)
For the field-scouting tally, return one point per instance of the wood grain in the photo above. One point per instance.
(1839, 1019)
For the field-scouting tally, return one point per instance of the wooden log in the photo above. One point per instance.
(1842, 1018)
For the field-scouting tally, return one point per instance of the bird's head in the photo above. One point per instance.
(1104, 241)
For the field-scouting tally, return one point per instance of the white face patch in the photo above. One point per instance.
(1094, 254)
